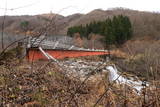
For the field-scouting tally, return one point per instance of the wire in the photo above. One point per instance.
(24, 6)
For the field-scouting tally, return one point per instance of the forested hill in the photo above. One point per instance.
(115, 31)
(144, 23)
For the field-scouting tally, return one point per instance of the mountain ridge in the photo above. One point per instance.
(144, 23)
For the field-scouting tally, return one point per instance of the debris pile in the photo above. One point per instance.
(50, 84)
(82, 68)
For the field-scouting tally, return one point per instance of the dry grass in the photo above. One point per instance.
(50, 86)
(47, 84)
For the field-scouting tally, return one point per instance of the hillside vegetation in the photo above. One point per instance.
(144, 23)
(115, 31)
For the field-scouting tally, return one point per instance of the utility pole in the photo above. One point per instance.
(3, 24)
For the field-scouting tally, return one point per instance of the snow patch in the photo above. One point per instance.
(114, 76)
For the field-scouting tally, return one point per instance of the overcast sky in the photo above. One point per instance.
(67, 7)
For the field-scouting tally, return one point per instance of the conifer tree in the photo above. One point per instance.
(116, 30)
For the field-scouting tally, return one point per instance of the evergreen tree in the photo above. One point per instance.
(116, 30)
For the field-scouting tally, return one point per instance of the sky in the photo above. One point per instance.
(68, 7)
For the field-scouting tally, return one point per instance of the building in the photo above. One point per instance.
(57, 47)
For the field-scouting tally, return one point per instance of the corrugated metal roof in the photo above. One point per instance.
(55, 42)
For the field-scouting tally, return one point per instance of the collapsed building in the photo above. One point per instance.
(57, 47)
